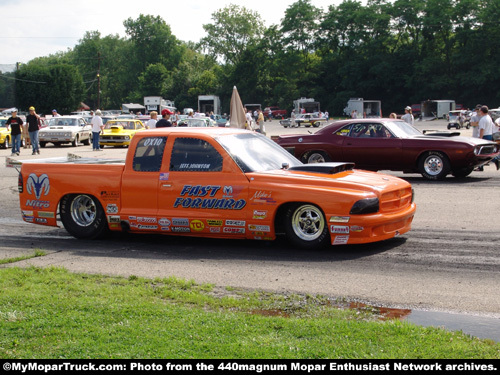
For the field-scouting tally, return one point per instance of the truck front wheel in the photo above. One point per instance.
(83, 216)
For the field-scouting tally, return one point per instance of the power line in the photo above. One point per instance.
(21, 80)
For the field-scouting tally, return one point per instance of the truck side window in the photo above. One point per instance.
(194, 155)
(149, 154)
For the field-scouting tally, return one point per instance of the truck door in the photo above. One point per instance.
(140, 184)
(202, 190)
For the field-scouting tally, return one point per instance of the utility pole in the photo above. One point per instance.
(98, 80)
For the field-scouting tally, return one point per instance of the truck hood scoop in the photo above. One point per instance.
(325, 168)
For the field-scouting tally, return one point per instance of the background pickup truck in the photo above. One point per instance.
(275, 112)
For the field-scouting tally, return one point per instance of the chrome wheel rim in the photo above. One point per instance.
(308, 223)
(316, 158)
(83, 210)
(433, 165)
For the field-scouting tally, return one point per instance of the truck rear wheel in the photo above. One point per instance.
(83, 216)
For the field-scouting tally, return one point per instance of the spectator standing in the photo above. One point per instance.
(474, 121)
(408, 117)
(15, 123)
(393, 115)
(33, 125)
(249, 120)
(151, 124)
(97, 127)
(260, 121)
(164, 122)
(485, 124)
(55, 114)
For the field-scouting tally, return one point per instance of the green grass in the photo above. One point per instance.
(52, 313)
(37, 253)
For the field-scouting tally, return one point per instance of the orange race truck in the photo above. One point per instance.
(214, 182)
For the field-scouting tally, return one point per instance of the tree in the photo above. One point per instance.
(46, 87)
(233, 30)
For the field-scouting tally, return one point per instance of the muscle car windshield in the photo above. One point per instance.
(63, 122)
(256, 153)
(402, 129)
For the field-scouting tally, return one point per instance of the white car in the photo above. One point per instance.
(66, 129)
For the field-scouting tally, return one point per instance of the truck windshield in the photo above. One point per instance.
(254, 152)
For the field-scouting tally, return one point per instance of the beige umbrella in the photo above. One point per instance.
(236, 111)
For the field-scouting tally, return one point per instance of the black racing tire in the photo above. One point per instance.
(83, 216)
(76, 142)
(462, 172)
(315, 157)
(6, 144)
(434, 165)
(86, 142)
(43, 144)
(306, 226)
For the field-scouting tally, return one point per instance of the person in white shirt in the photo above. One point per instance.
(97, 127)
(485, 124)
(151, 124)
(408, 117)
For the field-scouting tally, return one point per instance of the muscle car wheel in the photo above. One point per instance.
(83, 216)
(434, 165)
(6, 144)
(76, 142)
(315, 157)
(306, 226)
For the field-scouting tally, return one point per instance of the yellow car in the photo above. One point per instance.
(4, 133)
(120, 132)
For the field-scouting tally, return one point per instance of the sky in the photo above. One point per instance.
(34, 28)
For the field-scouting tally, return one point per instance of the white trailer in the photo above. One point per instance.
(436, 108)
(209, 103)
(157, 103)
(305, 105)
(363, 108)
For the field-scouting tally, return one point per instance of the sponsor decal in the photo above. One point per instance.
(227, 192)
(29, 213)
(41, 220)
(340, 219)
(38, 185)
(147, 227)
(340, 229)
(164, 222)
(340, 240)
(110, 195)
(215, 230)
(203, 197)
(164, 176)
(28, 219)
(234, 230)
(165, 229)
(197, 225)
(37, 204)
(263, 197)
(180, 222)
(180, 229)
(259, 228)
(356, 228)
(47, 214)
(132, 218)
(214, 223)
(111, 208)
(147, 220)
(113, 219)
(235, 223)
(259, 215)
